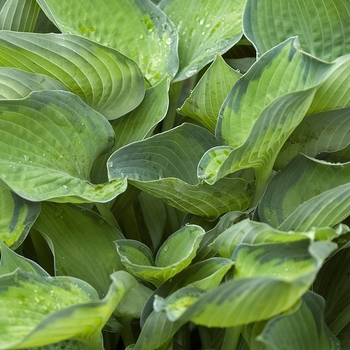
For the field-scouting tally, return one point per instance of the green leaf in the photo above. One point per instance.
(307, 193)
(205, 28)
(55, 309)
(322, 26)
(262, 110)
(269, 283)
(173, 256)
(15, 83)
(81, 242)
(19, 15)
(322, 132)
(140, 122)
(104, 78)
(17, 216)
(302, 329)
(60, 138)
(10, 261)
(252, 232)
(204, 102)
(137, 28)
(163, 166)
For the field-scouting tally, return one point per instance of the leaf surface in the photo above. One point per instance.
(60, 138)
(104, 78)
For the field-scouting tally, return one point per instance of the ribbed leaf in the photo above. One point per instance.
(136, 28)
(302, 329)
(322, 26)
(307, 193)
(104, 78)
(204, 102)
(262, 110)
(48, 144)
(252, 232)
(55, 309)
(15, 83)
(205, 28)
(173, 256)
(165, 166)
(137, 124)
(270, 283)
(17, 216)
(81, 243)
(19, 15)
(322, 132)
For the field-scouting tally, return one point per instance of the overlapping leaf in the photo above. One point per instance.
(19, 15)
(165, 166)
(322, 26)
(49, 142)
(137, 28)
(307, 193)
(104, 78)
(270, 279)
(81, 243)
(17, 216)
(205, 28)
(173, 256)
(36, 310)
(15, 83)
(205, 100)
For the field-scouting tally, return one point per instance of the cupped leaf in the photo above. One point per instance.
(16, 83)
(173, 256)
(17, 216)
(322, 132)
(137, 28)
(104, 78)
(322, 26)
(19, 15)
(302, 329)
(267, 283)
(55, 309)
(81, 243)
(11, 261)
(307, 193)
(205, 28)
(49, 142)
(165, 166)
(252, 232)
(204, 102)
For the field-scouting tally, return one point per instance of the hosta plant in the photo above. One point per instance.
(175, 174)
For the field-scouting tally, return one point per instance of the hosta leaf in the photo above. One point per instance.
(163, 166)
(10, 261)
(60, 138)
(17, 216)
(302, 329)
(268, 284)
(253, 232)
(205, 28)
(262, 110)
(203, 105)
(81, 243)
(173, 256)
(104, 78)
(15, 83)
(19, 15)
(55, 309)
(322, 26)
(136, 28)
(307, 193)
(323, 132)
(137, 124)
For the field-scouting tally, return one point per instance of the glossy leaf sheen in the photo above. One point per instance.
(60, 139)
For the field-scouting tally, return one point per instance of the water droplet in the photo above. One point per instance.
(65, 187)
(201, 22)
